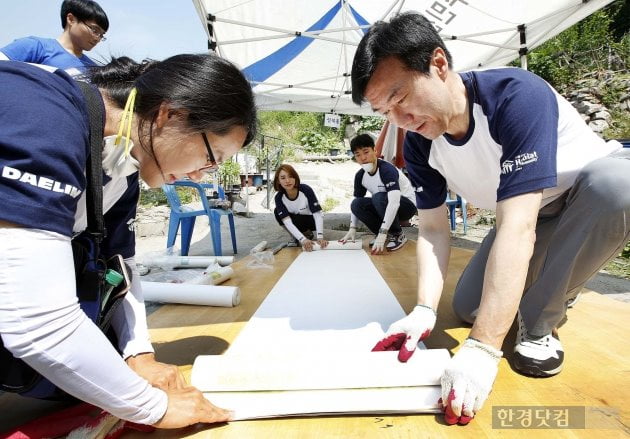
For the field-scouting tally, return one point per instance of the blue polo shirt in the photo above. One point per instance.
(46, 51)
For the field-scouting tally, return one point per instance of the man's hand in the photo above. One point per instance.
(160, 375)
(349, 236)
(404, 335)
(188, 406)
(307, 245)
(467, 381)
(379, 243)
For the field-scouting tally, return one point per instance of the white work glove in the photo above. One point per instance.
(379, 243)
(349, 236)
(467, 381)
(403, 336)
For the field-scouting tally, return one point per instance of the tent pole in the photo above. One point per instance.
(522, 30)
(267, 166)
(246, 156)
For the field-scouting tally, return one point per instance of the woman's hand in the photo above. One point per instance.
(322, 243)
(160, 375)
(188, 406)
(307, 245)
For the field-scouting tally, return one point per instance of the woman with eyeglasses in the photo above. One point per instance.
(84, 24)
(181, 117)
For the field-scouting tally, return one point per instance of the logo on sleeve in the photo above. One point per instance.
(519, 162)
(41, 182)
(419, 189)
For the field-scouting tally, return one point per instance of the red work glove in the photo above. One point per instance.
(404, 335)
(467, 381)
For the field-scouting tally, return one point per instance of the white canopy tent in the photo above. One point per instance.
(298, 53)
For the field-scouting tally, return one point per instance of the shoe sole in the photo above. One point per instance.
(528, 367)
(393, 249)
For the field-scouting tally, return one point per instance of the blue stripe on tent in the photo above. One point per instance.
(360, 20)
(264, 68)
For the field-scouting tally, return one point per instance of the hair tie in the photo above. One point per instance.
(127, 117)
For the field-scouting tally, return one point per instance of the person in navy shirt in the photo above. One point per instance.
(391, 201)
(84, 24)
(297, 208)
(504, 140)
(180, 118)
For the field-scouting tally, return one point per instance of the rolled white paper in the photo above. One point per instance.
(336, 245)
(214, 276)
(191, 294)
(259, 247)
(188, 261)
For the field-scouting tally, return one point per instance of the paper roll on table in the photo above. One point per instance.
(336, 245)
(191, 294)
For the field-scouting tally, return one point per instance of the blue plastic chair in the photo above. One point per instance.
(452, 203)
(187, 218)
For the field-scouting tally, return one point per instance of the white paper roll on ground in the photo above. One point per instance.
(212, 276)
(221, 275)
(336, 245)
(188, 261)
(259, 247)
(191, 294)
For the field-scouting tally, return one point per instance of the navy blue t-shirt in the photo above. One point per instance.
(522, 137)
(304, 204)
(44, 148)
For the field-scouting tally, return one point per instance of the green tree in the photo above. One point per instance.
(593, 44)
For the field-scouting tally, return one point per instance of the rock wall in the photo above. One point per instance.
(588, 94)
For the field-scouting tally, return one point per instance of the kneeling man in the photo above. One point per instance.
(392, 197)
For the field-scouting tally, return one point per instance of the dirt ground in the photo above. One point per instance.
(332, 182)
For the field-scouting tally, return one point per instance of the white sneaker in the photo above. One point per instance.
(571, 302)
(537, 356)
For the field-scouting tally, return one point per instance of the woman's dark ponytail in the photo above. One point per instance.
(118, 77)
(212, 91)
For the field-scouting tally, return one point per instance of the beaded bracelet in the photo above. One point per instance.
(428, 307)
(474, 343)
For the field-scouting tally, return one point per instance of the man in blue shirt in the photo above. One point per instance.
(504, 140)
(84, 25)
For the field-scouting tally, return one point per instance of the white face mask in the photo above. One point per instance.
(115, 163)
(368, 167)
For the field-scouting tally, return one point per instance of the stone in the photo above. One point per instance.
(598, 125)
(602, 115)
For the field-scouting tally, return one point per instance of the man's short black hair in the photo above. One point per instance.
(409, 36)
(84, 10)
(361, 141)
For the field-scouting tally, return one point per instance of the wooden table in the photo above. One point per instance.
(596, 371)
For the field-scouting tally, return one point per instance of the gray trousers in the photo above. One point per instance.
(576, 235)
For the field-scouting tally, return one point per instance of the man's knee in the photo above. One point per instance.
(379, 201)
(464, 310)
(600, 182)
(356, 205)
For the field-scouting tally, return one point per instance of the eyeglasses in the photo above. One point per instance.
(213, 165)
(96, 31)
